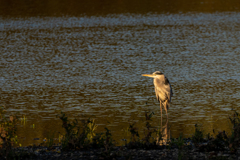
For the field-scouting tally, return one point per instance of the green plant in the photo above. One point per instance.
(91, 129)
(222, 140)
(108, 142)
(234, 140)
(134, 137)
(76, 135)
(149, 130)
(198, 135)
(148, 141)
(49, 140)
(98, 140)
(81, 135)
(179, 142)
(218, 143)
(7, 133)
(134, 132)
(103, 140)
(108, 153)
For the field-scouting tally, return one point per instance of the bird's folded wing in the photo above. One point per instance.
(163, 91)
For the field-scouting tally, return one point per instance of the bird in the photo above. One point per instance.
(163, 90)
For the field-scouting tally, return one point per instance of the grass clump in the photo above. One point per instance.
(222, 141)
(78, 135)
(82, 135)
(49, 140)
(7, 133)
(234, 140)
(8, 137)
(198, 136)
(149, 131)
(147, 142)
(179, 142)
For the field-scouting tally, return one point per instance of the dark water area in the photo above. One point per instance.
(86, 59)
(53, 8)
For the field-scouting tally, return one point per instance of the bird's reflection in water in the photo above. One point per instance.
(165, 134)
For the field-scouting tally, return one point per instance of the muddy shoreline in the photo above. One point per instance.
(122, 153)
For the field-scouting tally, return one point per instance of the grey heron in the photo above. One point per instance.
(163, 90)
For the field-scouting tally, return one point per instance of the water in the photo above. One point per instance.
(91, 66)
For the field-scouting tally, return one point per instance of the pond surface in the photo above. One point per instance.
(91, 66)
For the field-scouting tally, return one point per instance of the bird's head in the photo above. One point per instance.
(154, 74)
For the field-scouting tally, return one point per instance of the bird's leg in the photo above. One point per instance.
(161, 112)
(165, 107)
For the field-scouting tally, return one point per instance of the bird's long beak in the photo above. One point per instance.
(148, 75)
